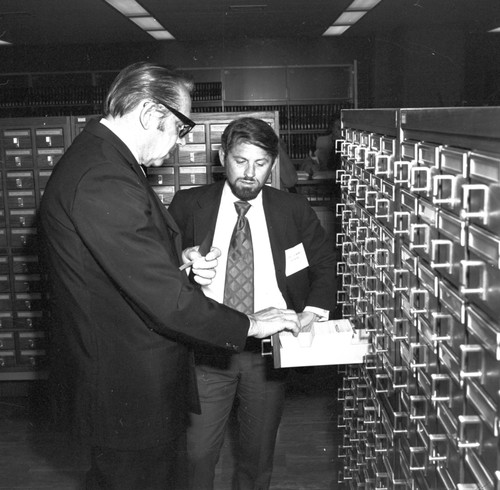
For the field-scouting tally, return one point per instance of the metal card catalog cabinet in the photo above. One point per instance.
(431, 421)
(29, 149)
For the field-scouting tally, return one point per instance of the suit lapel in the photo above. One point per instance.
(205, 217)
(277, 226)
(170, 223)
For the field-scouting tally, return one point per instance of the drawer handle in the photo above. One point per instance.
(481, 191)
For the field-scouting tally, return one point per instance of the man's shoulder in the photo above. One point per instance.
(187, 197)
(198, 191)
(285, 197)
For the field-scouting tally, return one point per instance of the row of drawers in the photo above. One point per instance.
(43, 147)
(462, 182)
(433, 241)
(419, 277)
(405, 444)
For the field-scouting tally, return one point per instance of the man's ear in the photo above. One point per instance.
(146, 113)
(222, 157)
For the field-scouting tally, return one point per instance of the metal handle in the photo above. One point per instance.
(413, 229)
(401, 223)
(263, 345)
(399, 167)
(382, 203)
(472, 364)
(370, 157)
(383, 164)
(436, 246)
(401, 279)
(481, 189)
(370, 199)
(415, 173)
(470, 432)
(437, 189)
(467, 267)
(360, 192)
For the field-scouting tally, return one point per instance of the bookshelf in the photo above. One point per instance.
(306, 97)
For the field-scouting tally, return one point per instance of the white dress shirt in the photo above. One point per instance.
(266, 291)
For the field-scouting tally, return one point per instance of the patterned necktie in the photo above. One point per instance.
(238, 290)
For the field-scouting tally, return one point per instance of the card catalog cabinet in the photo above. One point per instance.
(420, 242)
(29, 150)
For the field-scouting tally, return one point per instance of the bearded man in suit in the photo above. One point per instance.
(293, 267)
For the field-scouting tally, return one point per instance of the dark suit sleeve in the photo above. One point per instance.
(116, 218)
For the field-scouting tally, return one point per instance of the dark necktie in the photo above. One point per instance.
(238, 290)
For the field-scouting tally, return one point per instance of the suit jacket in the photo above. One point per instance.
(124, 315)
(291, 221)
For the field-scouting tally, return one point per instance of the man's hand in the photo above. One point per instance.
(203, 267)
(272, 320)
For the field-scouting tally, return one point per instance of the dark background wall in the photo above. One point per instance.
(417, 68)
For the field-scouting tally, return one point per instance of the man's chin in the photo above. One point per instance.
(245, 194)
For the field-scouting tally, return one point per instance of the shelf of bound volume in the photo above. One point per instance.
(420, 272)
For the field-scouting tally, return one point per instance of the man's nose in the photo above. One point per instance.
(250, 170)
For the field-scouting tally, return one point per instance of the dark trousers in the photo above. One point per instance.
(260, 391)
(158, 468)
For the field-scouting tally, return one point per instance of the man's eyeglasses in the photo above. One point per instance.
(188, 124)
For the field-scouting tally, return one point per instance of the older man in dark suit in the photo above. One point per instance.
(125, 316)
(293, 267)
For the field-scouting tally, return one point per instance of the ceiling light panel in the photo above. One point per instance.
(162, 35)
(349, 17)
(335, 30)
(363, 4)
(128, 8)
(147, 23)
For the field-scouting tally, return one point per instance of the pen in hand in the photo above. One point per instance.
(186, 265)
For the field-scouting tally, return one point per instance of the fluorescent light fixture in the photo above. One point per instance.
(335, 30)
(141, 17)
(362, 4)
(128, 7)
(162, 35)
(5, 43)
(349, 18)
(496, 29)
(147, 23)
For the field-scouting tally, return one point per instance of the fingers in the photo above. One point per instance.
(203, 273)
(292, 327)
(272, 320)
(214, 253)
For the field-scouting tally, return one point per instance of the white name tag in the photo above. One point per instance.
(296, 259)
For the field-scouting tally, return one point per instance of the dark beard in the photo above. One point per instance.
(244, 194)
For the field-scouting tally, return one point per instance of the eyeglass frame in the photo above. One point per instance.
(189, 124)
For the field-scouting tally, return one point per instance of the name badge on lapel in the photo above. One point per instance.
(296, 259)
